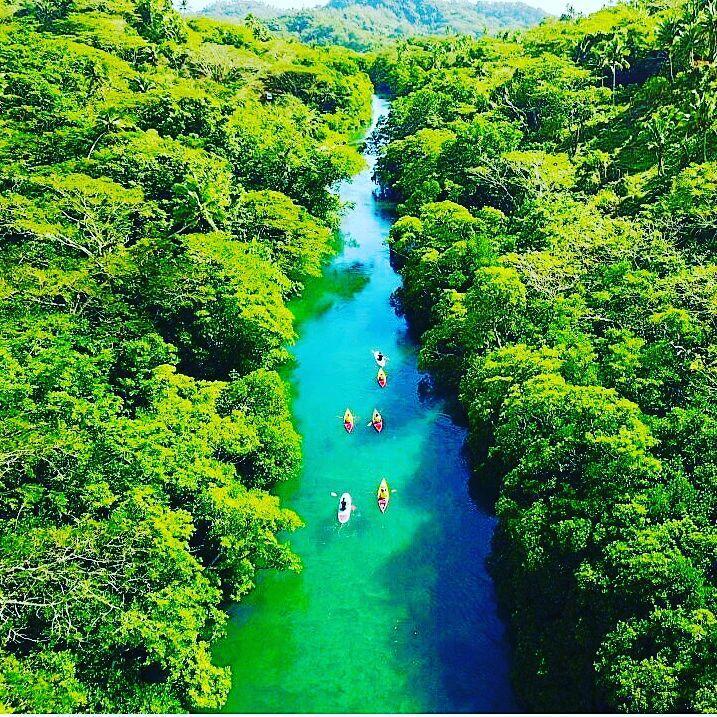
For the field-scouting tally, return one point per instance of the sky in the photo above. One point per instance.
(552, 6)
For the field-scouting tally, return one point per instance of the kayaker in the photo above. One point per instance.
(379, 356)
(343, 503)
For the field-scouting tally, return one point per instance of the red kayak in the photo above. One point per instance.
(382, 378)
(348, 421)
(377, 421)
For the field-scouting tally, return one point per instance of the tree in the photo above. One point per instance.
(703, 115)
(107, 124)
(49, 11)
(157, 21)
(668, 32)
(660, 128)
(614, 55)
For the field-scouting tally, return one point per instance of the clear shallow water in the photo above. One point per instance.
(392, 612)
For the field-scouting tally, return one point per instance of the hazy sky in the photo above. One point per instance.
(552, 6)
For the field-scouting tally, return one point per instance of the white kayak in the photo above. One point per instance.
(345, 507)
(380, 361)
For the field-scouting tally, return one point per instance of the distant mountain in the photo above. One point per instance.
(240, 9)
(364, 24)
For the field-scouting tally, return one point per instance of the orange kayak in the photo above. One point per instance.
(377, 421)
(382, 378)
(348, 421)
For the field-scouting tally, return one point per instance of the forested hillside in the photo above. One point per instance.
(165, 187)
(558, 242)
(368, 24)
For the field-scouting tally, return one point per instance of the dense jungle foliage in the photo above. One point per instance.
(165, 187)
(558, 242)
(369, 24)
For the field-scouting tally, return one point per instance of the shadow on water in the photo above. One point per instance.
(453, 630)
(321, 293)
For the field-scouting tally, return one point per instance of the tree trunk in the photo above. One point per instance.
(94, 144)
(614, 82)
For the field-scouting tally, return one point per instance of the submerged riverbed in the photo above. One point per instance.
(392, 612)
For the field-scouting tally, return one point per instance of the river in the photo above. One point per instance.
(392, 612)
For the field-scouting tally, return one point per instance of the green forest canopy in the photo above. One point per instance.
(166, 188)
(558, 244)
(369, 24)
(157, 210)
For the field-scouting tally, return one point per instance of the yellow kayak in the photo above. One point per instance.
(377, 421)
(383, 495)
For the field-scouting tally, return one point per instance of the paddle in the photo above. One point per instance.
(370, 423)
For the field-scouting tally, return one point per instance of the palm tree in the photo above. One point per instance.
(707, 24)
(142, 83)
(687, 38)
(106, 123)
(660, 129)
(667, 33)
(583, 48)
(614, 56)
(201, 205)
(704, 114)
(438, 52)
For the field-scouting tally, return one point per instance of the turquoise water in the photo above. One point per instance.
(392, 612)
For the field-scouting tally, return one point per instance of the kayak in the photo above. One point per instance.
(382, 378)
(348, 421)
(380, 361)
(383, 496)
(377, 421)
(345, 513)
